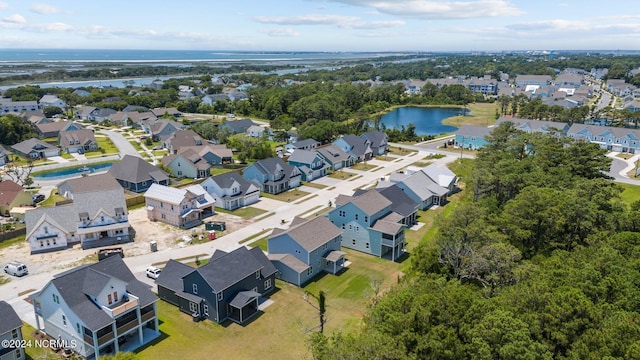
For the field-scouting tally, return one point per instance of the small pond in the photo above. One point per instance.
(428, 121)
(74, 171)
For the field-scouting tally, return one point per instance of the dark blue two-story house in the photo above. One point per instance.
(226, 288)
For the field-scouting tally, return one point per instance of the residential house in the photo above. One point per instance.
(357, 147)
(184, 208)
(135, 174)
(211, 99)
(485, 86)
(228, 287)
(238, 126)
(35, 117)
(53, 101)
(166, 112)
(258, 131)
(94, 215)
(607, 137)
(472, 137)
(81, 93)
(306, 249)
(35, 149)
(619, 87)
(569, 80)
(77, 141)
(401, 203)
(335, 157)
(306, 144)
(310, 164)
(8, 106)
(212, 154)
(422, 189)
(5, 155)
(53, 129)
(369, 225)
(377, 141)
(103, 114)
(85, 112)
(231, 191)
(162, 128)
(101, 308)
(540, 80)
(10, 333)
(530, 126)
(12, 195)
(442, 175)
(182, 138)
(273, 175)
(187, 164)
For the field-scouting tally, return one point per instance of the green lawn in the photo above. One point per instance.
(363, 166)
(106, 146)
(287, 196)
(220, 170)
(279, 332)
(630, 194)
(246, 212)
(314, 185)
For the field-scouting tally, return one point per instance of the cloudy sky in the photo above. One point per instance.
(322, 25)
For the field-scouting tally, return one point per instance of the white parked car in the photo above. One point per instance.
(153, 272)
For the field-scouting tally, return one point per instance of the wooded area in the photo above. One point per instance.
(538, 261)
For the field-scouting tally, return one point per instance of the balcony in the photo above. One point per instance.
(101, 340)
(392, 242)
(147, 316)
(123, 306)
(128, 326)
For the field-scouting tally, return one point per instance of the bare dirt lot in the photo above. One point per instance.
(166, 236)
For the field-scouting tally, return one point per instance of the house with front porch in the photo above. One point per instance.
(310, 164)
(77, 141)
(607, 137)
(369, 225)
(306, 249)
(357, 147)
(228, 287)
(377, 141)
(231, 191)
(35, 149)
(51, 100)
(422, 189)
(101, 308)
(189, 164)
(401, 203)
(334, 157)
(94, 214)
(273, 175)
(184, 208)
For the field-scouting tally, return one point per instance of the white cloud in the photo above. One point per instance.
(314, 19)
(15, 19)
(286, 32)
(3, 5)
(376, 24)
(44, 9)
(423, 9)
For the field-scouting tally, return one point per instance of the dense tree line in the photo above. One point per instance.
(14, 129)
(538, 261)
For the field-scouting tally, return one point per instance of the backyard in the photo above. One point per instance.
(283, 327)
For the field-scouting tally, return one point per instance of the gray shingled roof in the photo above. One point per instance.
(27, 146)
(224, 271)
(303, 156)
(371, 202)
(474, 131)
(377, 138)
(136, 170)
(171, 275)
(10, 319)
(290, 261)
(402, 203)
(313, 233)
(90, 184)
(70, 285)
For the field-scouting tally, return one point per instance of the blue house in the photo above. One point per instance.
(228, 287)
(306, 249)
(377, 141)
(607, 137)
(310, 164)
(472, 137)
(369, 225)
(335, 157)
(273, 175)
(357, 147)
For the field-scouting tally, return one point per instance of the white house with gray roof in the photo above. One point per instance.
(94, 214)
(306, 249)
(35, 149)
(10, 330)
(99, 309)
(231, 191)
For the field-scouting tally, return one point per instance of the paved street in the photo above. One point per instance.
(18, 289)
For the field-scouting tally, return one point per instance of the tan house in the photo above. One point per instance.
(12, 195)
(77, 141)
(184, 208)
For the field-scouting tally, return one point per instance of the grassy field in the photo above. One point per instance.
(246, 212)
(313, 185)
(287, 196)
(106, 146)
(482, 114)
(280, 332)
(363, 166)
(339, 174)
(630, 194)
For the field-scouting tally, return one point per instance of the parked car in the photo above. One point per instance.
(38, 198)
(153, 272)
(16, 269)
